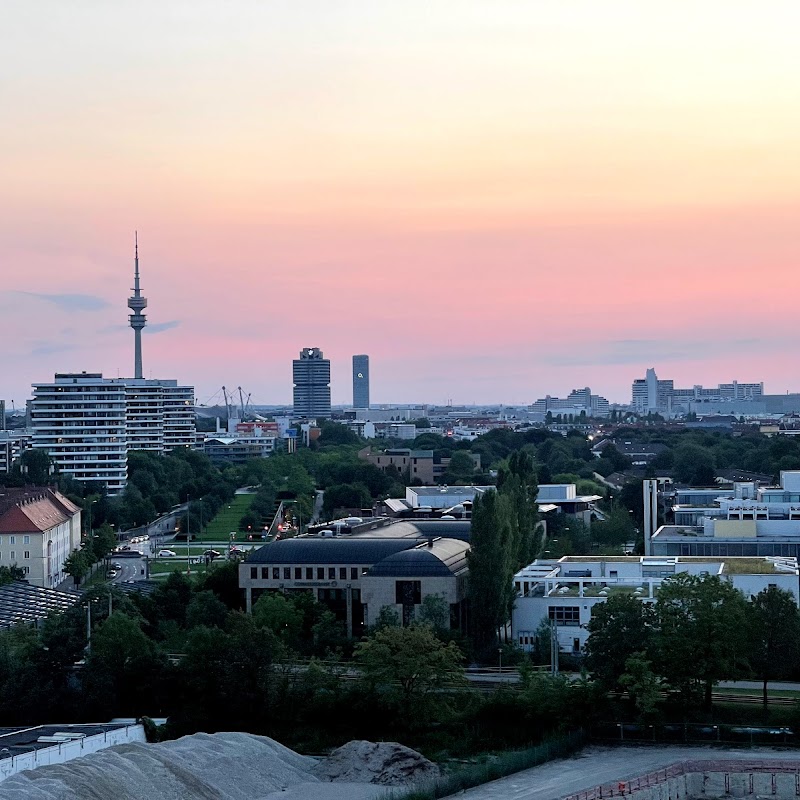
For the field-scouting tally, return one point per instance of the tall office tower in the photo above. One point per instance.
(361, 381)
(311, 374)
(137, 304)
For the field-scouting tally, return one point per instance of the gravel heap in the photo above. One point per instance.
(221, 766)
(385, 763)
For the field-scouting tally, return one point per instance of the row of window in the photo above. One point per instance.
(13, 540)
(13, 555)
(308, 573)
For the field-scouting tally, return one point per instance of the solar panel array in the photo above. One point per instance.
(22, 603)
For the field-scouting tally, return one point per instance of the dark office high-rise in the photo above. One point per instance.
(361, 381)
(312, 376)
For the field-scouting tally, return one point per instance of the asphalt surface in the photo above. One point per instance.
(600, 765)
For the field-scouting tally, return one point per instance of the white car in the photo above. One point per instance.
(166, 553)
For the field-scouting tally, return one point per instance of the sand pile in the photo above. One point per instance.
(222, 766)
(384, 763)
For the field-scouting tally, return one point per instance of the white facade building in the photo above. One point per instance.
(563, 593)
(39, 528)
(87, 423)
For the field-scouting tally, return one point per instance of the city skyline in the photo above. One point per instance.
(533, 199)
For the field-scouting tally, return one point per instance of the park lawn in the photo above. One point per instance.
(168, 566)
(227, 520)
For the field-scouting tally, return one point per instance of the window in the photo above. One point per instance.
(309, 573)
(26, 554)
(26, 540)
(320, 573)
(298, 573)
(13, 555)
(353, 573)
(287, 573)
(408, 593)
(364, 570)
(331, 573)
(253, 573)
(276, 573)
(26, 570)
(565, 615)
(12, 539)
(342, 573)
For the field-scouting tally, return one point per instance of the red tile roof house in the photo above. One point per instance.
(39, 528)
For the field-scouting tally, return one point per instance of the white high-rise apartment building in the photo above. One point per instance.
(87, 423)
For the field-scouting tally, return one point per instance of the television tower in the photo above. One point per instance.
(137, 304)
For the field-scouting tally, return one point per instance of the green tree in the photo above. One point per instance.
(281, 616)
(387, 618)
(460, 469)
(77, 565)
(36, 467)
(413, 659)
(774, 628)
(11, 574)
(434, 611)
(702, 632)
(491, 561)
(620, 627)
(103, 541)
(694, 465)
(205, 608)
(643, 686)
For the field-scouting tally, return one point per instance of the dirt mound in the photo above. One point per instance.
(385, 763)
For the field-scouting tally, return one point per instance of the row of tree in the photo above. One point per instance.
(700, 630)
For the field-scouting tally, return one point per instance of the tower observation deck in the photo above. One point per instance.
(137, 304)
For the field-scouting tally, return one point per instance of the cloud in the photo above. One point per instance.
(71, 302)
(162, 326)
(47, 348)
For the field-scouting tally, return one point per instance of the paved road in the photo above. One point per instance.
(757, 686)
(599, 765)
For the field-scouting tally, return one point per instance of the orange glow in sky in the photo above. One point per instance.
(495, 200)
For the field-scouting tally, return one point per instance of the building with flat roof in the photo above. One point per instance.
(563, 593)
(361, 381)
(87, 424)
(311, 374)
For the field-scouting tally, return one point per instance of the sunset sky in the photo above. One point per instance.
(495, 200)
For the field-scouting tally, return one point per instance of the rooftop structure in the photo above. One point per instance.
(22, 603)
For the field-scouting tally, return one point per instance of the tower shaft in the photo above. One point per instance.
(137, 304)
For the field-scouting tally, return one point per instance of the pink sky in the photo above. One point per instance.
(495, 203)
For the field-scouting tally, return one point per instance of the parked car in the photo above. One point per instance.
(166, 553)
(212, 553)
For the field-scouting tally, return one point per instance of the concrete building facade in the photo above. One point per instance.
(87, 423)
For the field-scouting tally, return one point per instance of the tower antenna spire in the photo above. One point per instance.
(137, 304)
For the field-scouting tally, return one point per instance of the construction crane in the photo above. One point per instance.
(245, 404)
(227, 405)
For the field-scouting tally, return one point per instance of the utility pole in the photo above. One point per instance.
(188, 538)
(553, 648)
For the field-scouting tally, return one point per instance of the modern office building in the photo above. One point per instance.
(563, 593)
(578, 401)
(311, 374)
(649, 394)
(361, 381)
(88, 423)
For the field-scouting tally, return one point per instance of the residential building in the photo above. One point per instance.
(88, 423)
(311, 374)
(421, 465)
(563, 593)
(12, 445)
(361, 381)
(39, 528)
(238, 449)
